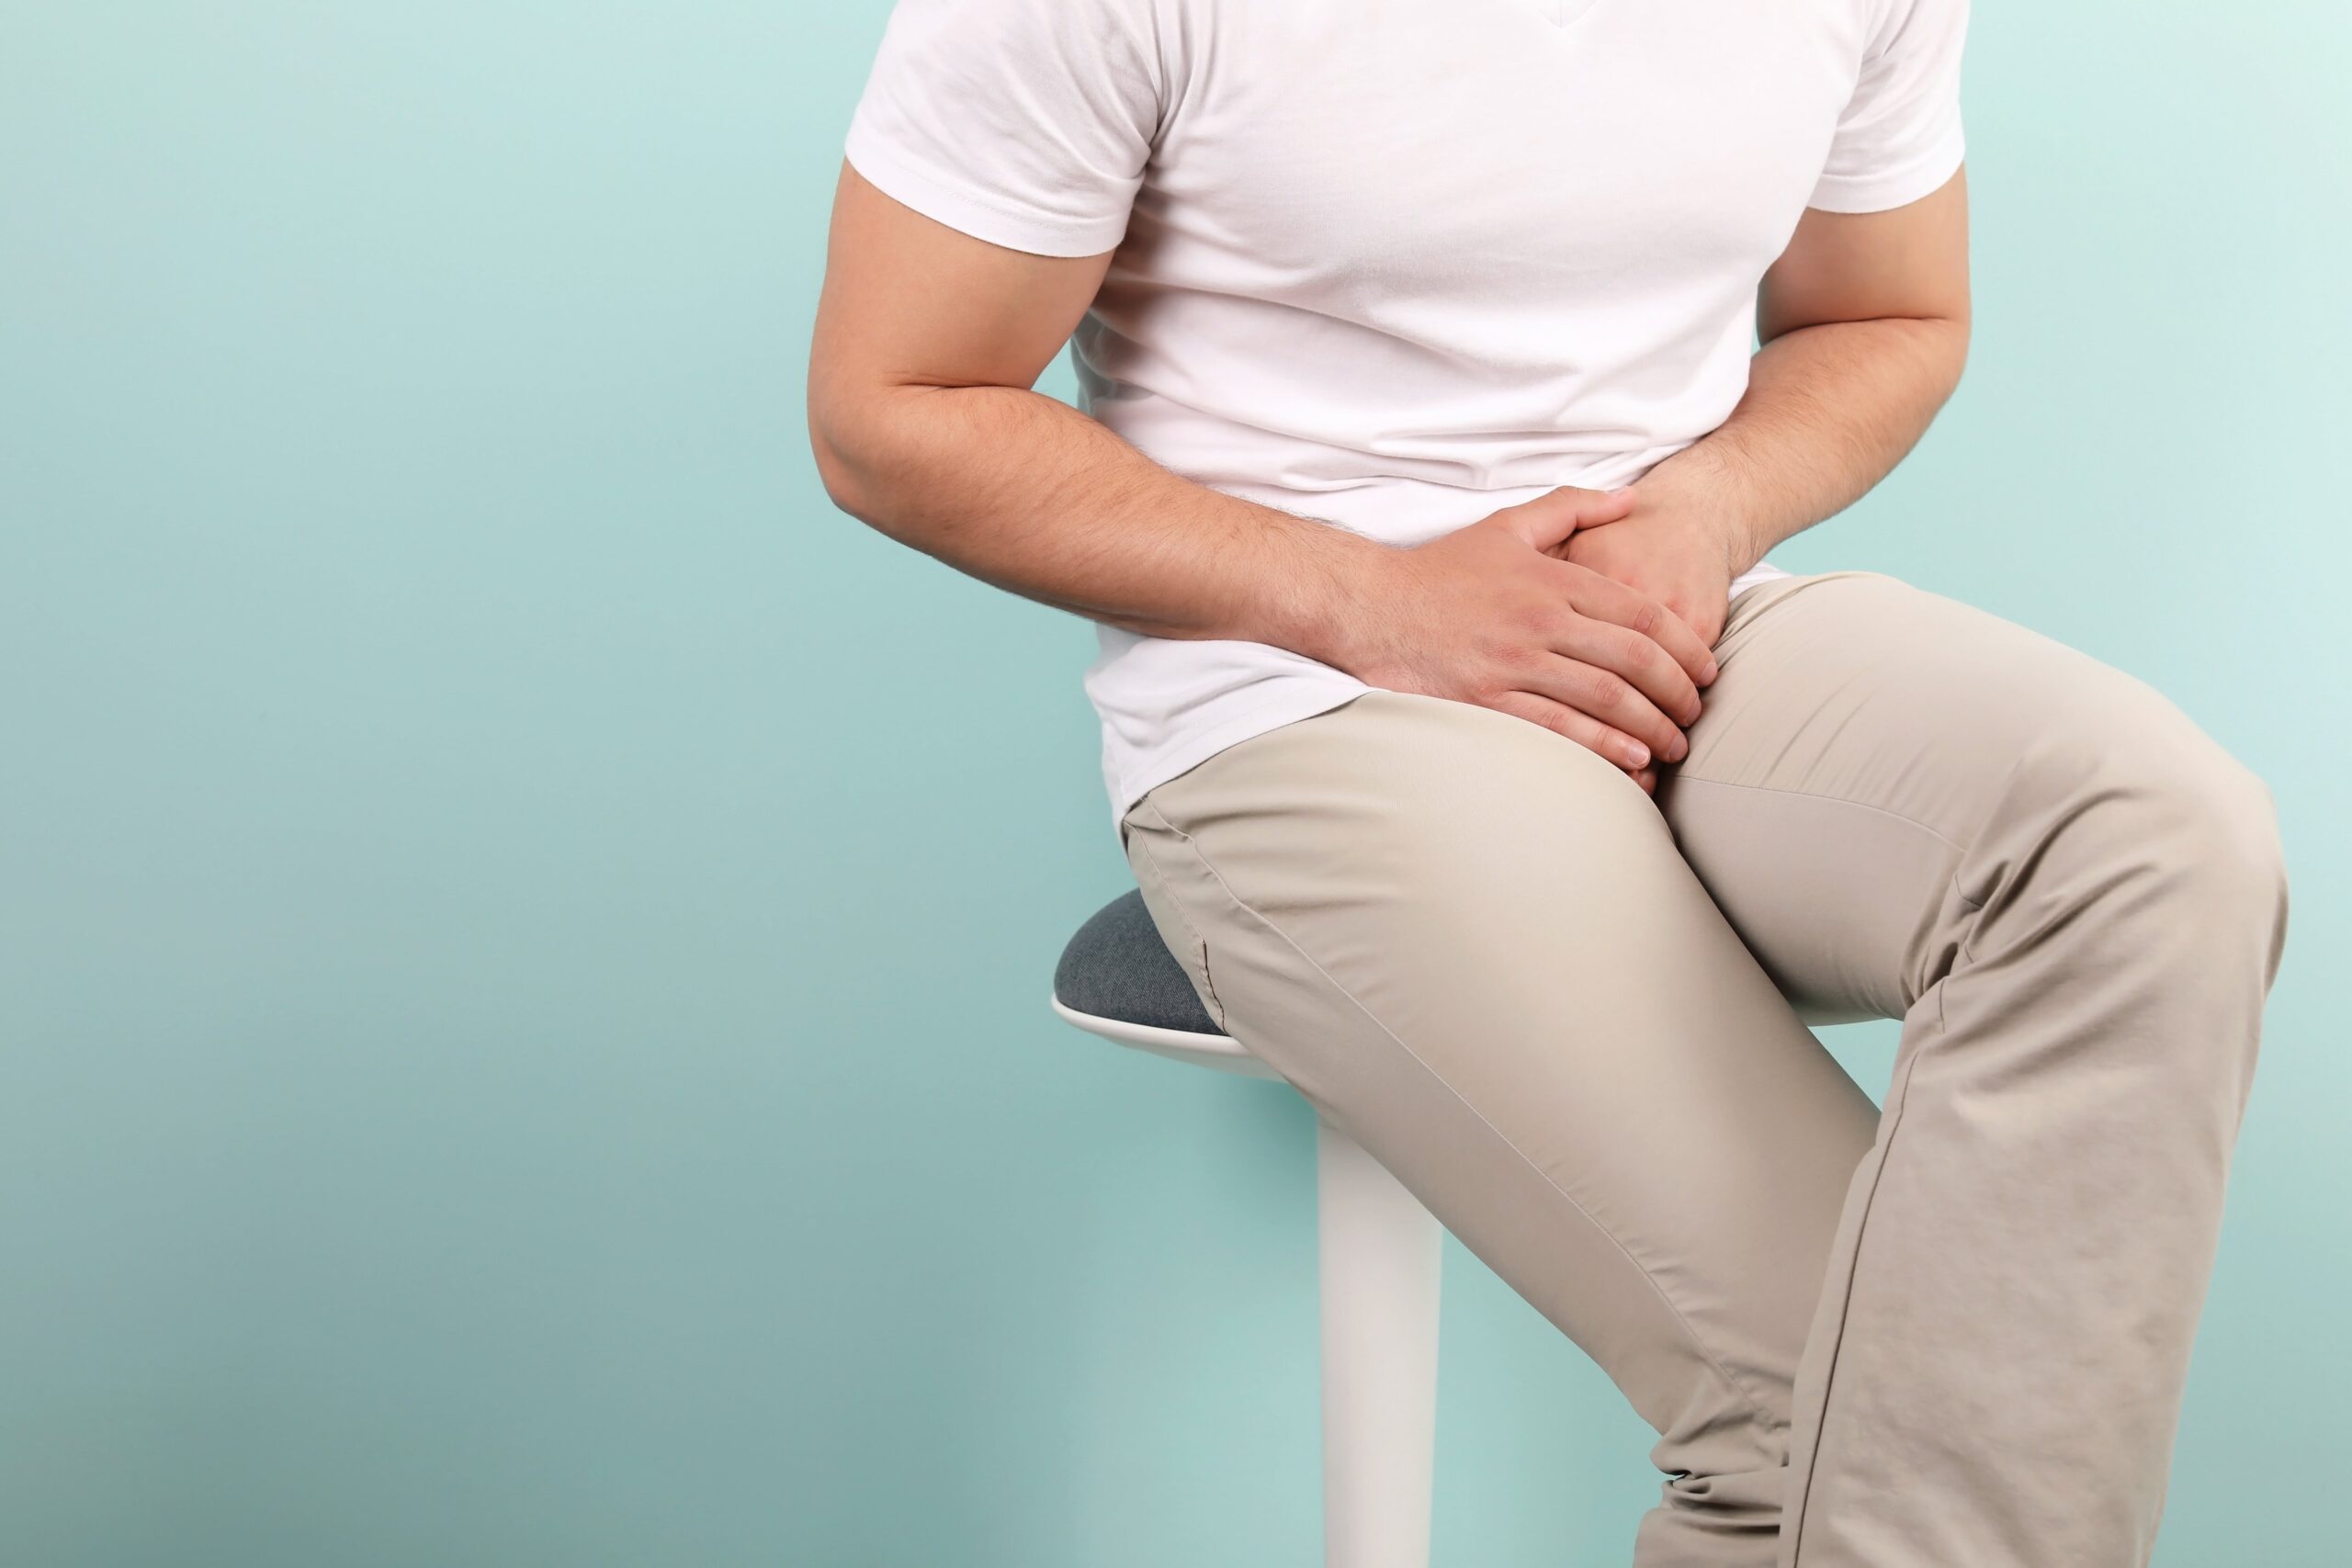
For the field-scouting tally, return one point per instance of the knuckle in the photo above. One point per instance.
(1538, 620)
(1509, 655)
(1545, 716)
(1606, 692)
(1538, 617)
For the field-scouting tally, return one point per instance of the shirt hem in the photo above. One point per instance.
(1317, 695)
(1132, 784)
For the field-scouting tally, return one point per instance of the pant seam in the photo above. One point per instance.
(1942, 838)
(1200, 943)
(1960, 854)
(1793, 1519)
(1706, 1352)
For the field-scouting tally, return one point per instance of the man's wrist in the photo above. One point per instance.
(1314, 583)
(1708, 485)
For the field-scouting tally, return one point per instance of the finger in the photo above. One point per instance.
(1616, 702)
(1635, 658)
(1607, 598)
(1647, 779)
(1611, 745)
(1550, 518)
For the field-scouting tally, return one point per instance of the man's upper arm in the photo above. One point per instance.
(1885, 234)
(1907, 262)
(909, 302)
(992, 160)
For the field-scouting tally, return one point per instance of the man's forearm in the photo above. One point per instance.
(1830, 409)
(1029, 494)
(1026, 493)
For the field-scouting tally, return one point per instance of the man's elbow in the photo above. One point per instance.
(834, 469)
(844, 440)
(1951, 338)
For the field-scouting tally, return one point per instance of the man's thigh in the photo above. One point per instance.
(1472, 944)
(1861, 755)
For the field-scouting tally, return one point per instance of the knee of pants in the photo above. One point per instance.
(2141, 808)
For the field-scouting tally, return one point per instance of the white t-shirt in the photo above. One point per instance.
(1397, 264)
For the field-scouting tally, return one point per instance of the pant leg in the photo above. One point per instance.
(1472, 946)
(2074, 900)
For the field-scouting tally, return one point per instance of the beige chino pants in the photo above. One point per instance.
(1953, 1335)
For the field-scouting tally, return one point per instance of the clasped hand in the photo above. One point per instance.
(1591, 614)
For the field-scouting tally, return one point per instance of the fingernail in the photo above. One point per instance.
(1709, 674)
(1639, 754)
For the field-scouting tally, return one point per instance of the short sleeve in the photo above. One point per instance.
(1026, 123)
(1899, 137)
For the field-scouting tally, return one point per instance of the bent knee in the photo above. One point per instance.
(2236, 833)
(2180, 821)
(2215, 827)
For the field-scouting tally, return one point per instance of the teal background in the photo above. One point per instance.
(523, 934)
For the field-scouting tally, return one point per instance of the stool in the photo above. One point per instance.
(1379, 1252)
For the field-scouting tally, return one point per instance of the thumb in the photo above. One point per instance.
(1547, 520)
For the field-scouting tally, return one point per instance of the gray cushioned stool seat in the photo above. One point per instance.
(1117, 967)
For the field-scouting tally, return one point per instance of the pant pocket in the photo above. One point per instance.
(1146, 838)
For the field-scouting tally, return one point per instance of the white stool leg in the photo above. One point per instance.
(1380, 1251)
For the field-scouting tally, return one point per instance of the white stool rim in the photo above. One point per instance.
(1219, 1052)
